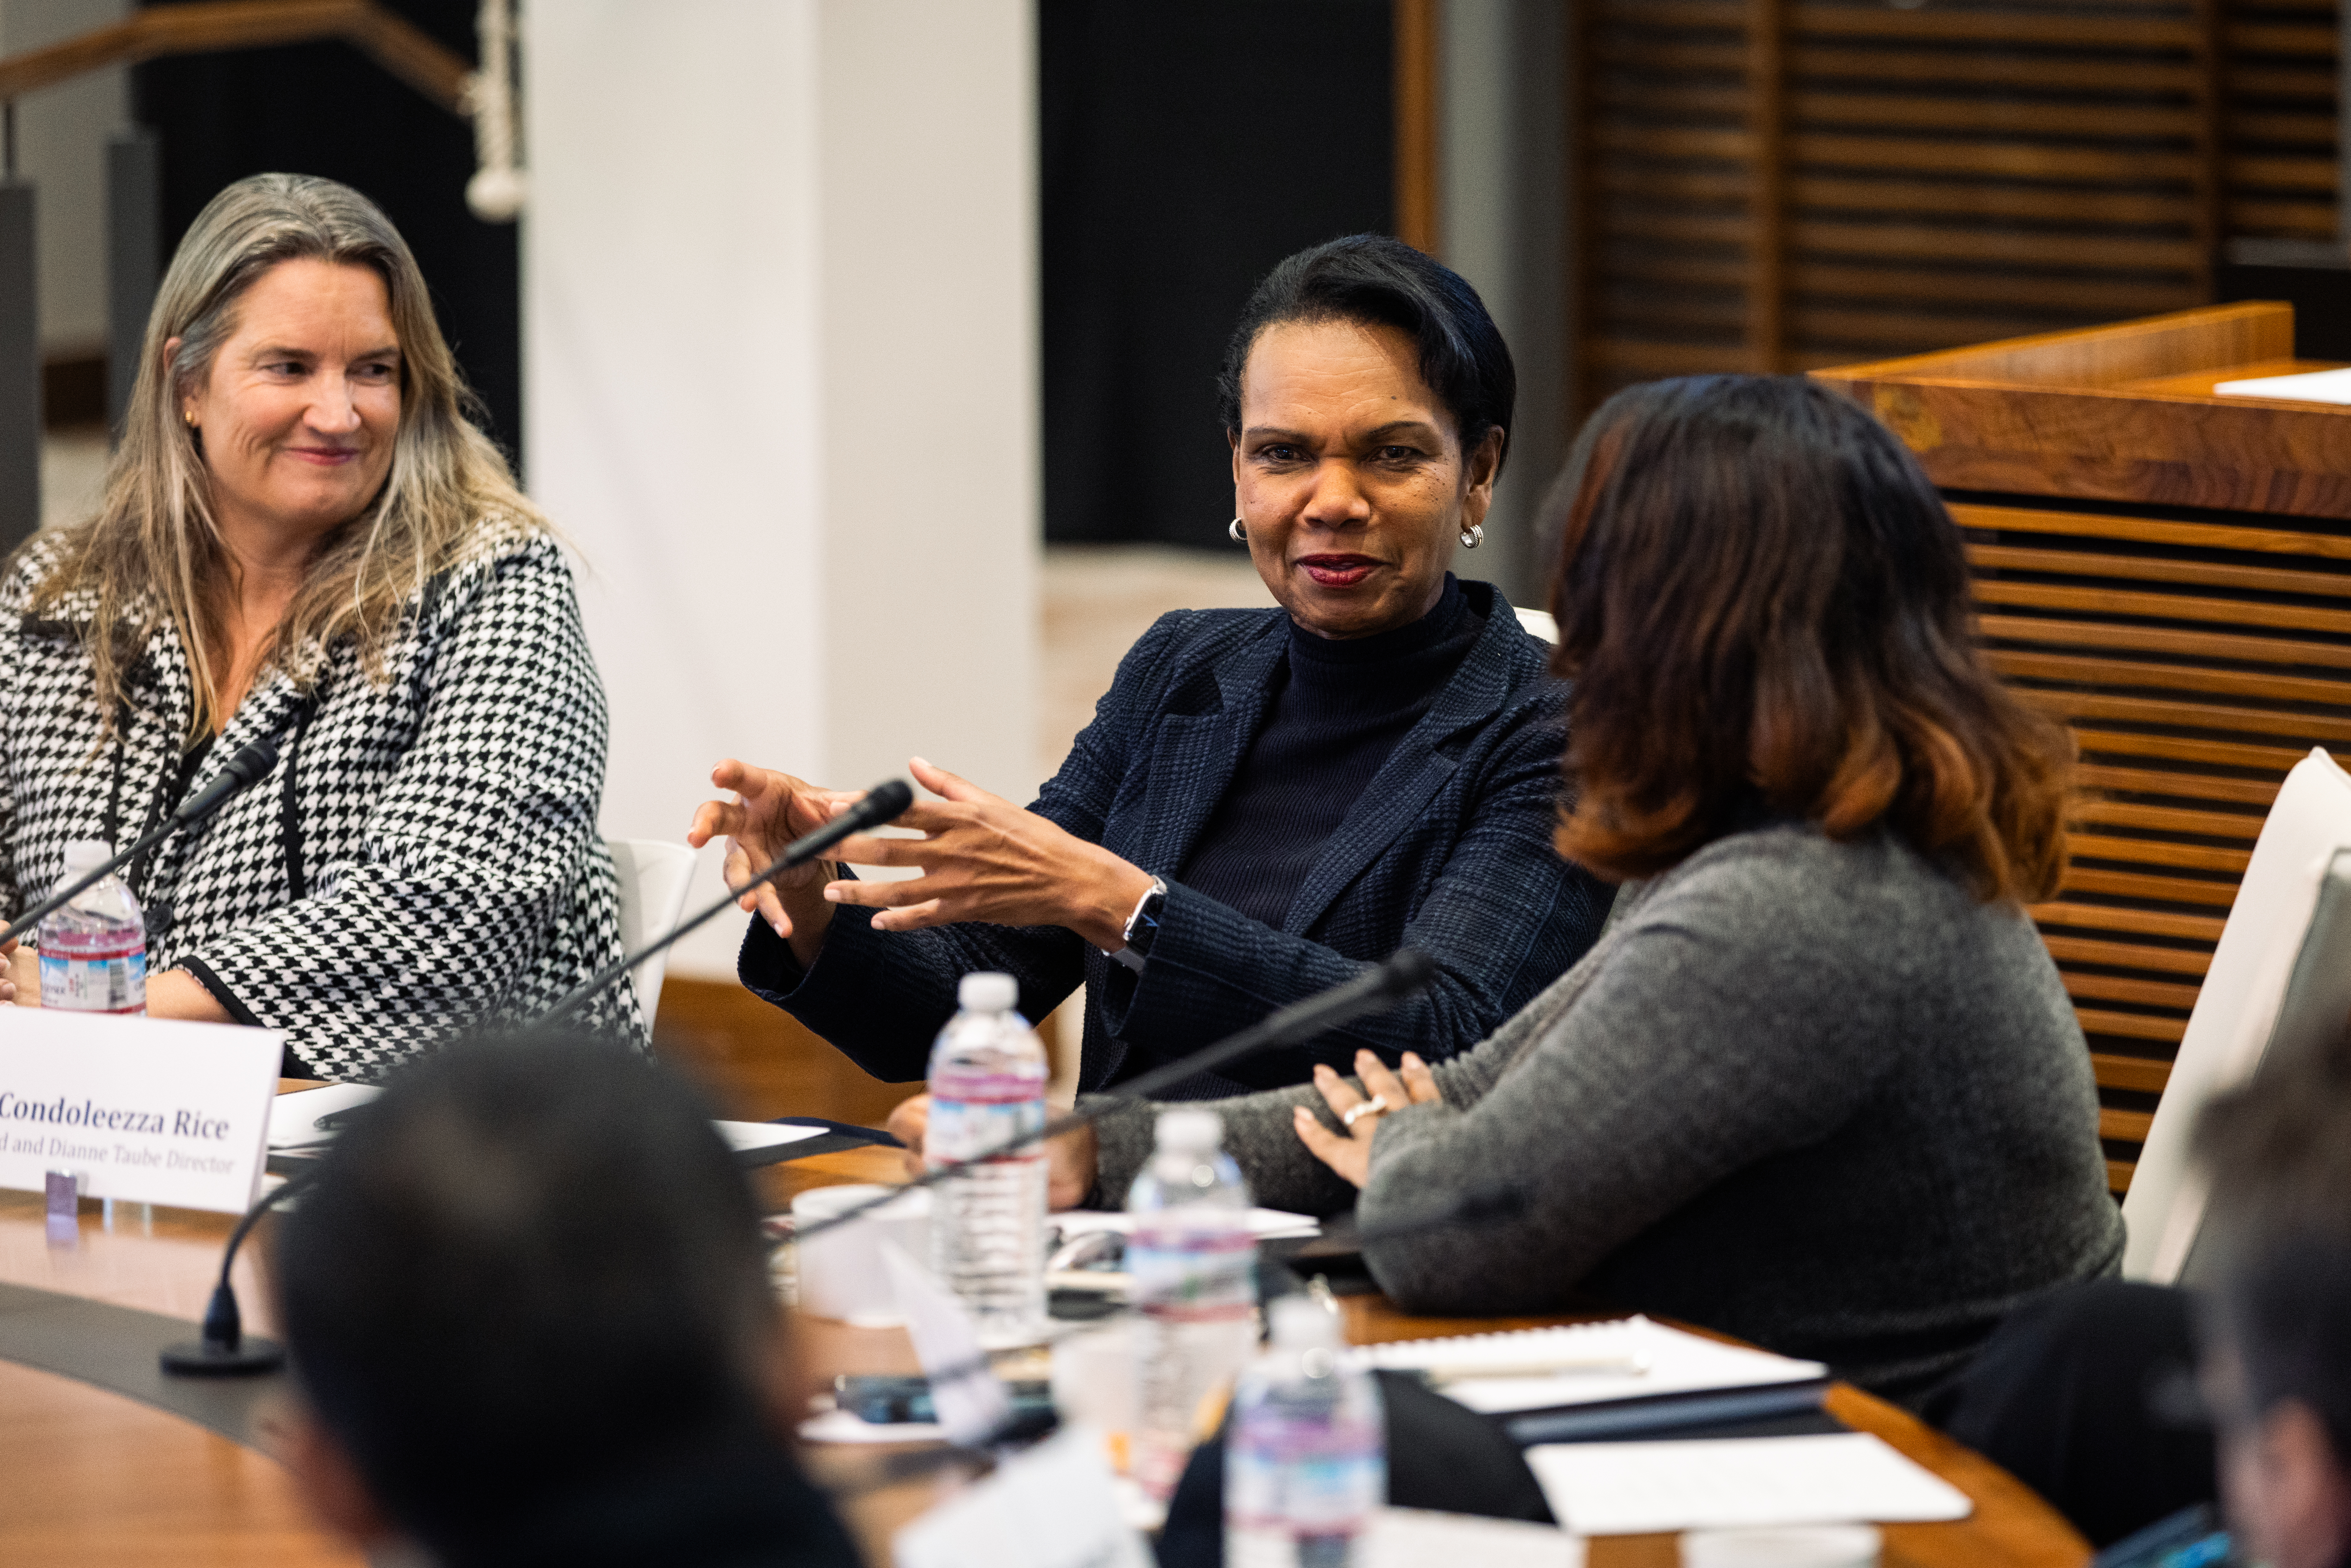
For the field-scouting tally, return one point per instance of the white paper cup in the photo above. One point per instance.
(1792, 1546)
(1093, 1378)
(840, 1271)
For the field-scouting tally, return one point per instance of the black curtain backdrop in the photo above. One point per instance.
(1185, 148)
(326, 109)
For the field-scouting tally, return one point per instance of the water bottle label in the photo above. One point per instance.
(1305, 1478)
(963, 1127)
(1193, 1274)
(117, 985)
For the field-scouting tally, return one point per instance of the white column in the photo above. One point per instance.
(1501, 184)
(780, 380)
(933, 509)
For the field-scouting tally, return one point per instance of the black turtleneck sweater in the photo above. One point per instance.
(1335, 711)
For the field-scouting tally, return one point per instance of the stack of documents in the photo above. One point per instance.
(1608, 1380)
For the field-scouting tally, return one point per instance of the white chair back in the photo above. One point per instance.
(2237, 1009)
(654, 876)
(1540, 623)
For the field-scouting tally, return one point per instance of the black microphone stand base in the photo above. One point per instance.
(200, 1358)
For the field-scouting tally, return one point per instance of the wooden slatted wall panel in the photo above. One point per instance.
(2197, 658)
(1788, 184)
(2279, 82)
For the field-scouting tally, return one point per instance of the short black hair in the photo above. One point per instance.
(527, 1270)
(2278, 1154)
(1381, 281)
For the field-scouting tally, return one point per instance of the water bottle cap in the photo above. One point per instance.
(87, 854)
(1191, 1130)
(1301, 1323)
(987, 992)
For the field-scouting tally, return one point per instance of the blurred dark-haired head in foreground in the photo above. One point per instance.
(528, 1310)
(2277, 1371)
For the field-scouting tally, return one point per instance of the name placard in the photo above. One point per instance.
(151, 1110)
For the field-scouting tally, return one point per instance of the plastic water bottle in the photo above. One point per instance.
(1306, 1456)
(987, 1228)
(94, 949)
(1191, 1264)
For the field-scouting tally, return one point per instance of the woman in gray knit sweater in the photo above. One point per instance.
(1819, 1085)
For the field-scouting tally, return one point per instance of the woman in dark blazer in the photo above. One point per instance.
(1268, 801)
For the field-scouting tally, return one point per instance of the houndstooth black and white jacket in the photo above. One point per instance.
(423, 859)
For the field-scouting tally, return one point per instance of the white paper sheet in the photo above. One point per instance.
(1051, 1507)
(294, 1120)
(971, 1400)
(1416, 1538)
(1675, 1363)
(1263, 1223)
(1634, 1488)
(2311, 386)
(745, 1136)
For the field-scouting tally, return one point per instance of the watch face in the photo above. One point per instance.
(1146, 923)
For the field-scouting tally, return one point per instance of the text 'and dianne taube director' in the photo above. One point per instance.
(91, 1117)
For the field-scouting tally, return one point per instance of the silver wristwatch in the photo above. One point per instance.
(1143, 926)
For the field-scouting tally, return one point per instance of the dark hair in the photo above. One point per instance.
(1763, 604)
(2278, 1155)
(530, 1268)
(1382, 282)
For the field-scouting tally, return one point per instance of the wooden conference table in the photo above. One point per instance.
(89, 1478)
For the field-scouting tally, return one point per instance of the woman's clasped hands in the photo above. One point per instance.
(1349, 1150)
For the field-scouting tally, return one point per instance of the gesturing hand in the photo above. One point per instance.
(1349, 1151)
(771, 810)
(982, 858)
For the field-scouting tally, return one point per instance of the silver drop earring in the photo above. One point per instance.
(1473, 536)
(1239, 534)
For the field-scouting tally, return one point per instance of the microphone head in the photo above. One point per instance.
(886, 801)
(1408, 971)
(254, 761)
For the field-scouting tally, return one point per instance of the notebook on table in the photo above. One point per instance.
(1619, 1379)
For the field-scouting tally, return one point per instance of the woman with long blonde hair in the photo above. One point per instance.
(302, 536)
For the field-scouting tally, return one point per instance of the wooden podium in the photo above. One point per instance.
(2168, 571)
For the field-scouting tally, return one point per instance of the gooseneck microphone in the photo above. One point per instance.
(223, 1351)
(1377, 989)
(886, 803)
(249, 766)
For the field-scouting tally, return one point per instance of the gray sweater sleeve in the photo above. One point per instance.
(1812, 1094)
(1744, 1004)
(1281, 1173)
(1724, 1026)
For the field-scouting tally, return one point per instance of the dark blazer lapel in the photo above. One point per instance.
(1195, 755)
(1415, 772)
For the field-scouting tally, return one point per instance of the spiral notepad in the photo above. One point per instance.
(1607, 1379)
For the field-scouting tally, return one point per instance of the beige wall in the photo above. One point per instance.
(779, 379)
